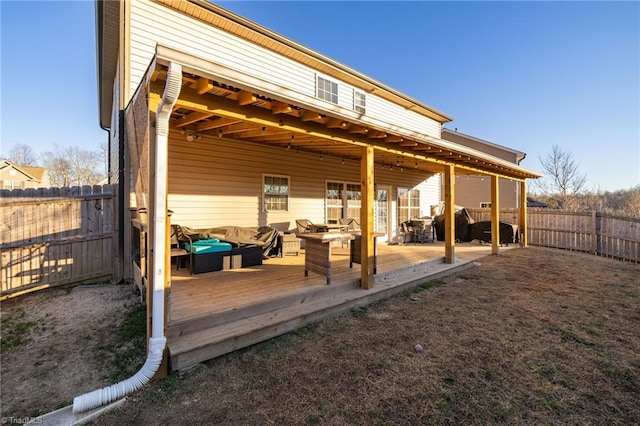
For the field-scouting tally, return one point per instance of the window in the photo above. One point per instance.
(485, 205)
(343, 201)
(12, 184)
(276, 193)
(359, 102)
(327, 90)
(408, 204)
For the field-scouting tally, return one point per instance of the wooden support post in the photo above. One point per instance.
(495, 214)
(366, 217)
(523, 215)
(449, 214)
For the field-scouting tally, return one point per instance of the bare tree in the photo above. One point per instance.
(563, 177)
(23, 155)
(72, 166)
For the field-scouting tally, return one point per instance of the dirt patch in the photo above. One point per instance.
(59, 343)
(535, 336)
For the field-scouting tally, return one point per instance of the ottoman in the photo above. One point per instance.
(207, 255)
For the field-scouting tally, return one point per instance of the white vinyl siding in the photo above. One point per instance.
(153, 24)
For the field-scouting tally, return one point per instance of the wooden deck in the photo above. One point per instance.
(218, 312)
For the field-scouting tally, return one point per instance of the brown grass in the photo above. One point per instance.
(535, 336)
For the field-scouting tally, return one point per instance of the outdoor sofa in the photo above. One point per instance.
(226, 247)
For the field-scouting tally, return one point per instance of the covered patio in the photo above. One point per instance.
(218, 312)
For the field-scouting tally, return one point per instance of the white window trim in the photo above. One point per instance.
(336, 82)
(344, 195)
(409, 207)
(356, 105)
(264, 198)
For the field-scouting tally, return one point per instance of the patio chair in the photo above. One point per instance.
(347, 223)
(305, 225)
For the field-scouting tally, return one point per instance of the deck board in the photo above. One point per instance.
(214, 313)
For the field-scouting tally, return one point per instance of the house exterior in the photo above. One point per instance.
(474, 190)
(13, 176)
(215, 120)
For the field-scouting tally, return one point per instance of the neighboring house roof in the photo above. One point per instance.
(534, 203)
(35, 174)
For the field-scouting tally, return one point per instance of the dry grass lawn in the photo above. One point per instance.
(532, 336)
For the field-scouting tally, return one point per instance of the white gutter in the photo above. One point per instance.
(157, 341)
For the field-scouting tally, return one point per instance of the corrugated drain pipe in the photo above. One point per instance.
(157, 341)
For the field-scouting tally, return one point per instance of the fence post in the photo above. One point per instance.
(597, 226)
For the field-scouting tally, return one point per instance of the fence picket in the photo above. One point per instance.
(593, 232)
(55, 236)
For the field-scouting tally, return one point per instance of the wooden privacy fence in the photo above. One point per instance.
(56, 236)
(593, 232)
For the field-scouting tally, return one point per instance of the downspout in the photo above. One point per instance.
(157, 341)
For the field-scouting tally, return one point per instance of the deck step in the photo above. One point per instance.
(239, 313)
(201, 344)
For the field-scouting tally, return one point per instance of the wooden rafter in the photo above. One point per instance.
(204, 85)
(246, 98)
(278, 107)
(215, 124)
(394, 139)
(358, 129)
(311, 116)
(336, 123)
(260, 115)
(192, 118)
(376, 134)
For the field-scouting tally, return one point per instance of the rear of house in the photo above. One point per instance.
(216, 121)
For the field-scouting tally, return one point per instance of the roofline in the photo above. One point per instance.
(444, 118)
(20, 169)
(105, 91)
(495, 145)
(189, 62)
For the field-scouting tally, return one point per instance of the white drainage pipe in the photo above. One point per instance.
(158, 341)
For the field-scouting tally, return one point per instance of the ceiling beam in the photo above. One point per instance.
(220, 106)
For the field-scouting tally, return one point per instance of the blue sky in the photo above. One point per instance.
(527, 75)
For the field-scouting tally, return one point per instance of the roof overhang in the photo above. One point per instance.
(108, 25)
(107, 40)
(220, 102)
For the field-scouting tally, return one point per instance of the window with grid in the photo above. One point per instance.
(327, 90)
(12, 184)
(343, 201)
(359, 102)
(408, 204)
(276, 193)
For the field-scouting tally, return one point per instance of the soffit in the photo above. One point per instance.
(211, 109)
